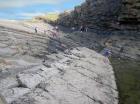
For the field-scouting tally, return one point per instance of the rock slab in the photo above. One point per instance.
(77, 76)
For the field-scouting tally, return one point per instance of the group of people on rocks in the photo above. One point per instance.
(55, 34)
(54, 31)
(82, 28)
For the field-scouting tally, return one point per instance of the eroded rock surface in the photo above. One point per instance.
(80, 77)
(76, 75)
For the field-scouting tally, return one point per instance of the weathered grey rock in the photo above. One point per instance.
(29, 80)
(38, 96)
(33, 77)
(10, 95)
(80, 77)
(7, 83)
(2, 100)
(77, 76)
(7, 52)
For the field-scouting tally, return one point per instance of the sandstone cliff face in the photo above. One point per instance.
(103, 13)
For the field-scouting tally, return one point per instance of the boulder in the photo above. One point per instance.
(29, 80)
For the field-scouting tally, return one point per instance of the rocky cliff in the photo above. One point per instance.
(103, 16)
(104, 13)
(130, 12)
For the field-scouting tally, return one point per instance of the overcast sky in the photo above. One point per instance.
(26, 9)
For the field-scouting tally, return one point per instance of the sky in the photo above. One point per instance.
(26, 9)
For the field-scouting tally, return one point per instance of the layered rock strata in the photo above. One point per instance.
(120, 14)
(78, 76)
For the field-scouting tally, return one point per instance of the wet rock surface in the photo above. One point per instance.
(76, 75)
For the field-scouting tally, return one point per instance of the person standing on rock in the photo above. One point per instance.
(121, 49)
(54, 33)
(73, 29)
(86, 29)
(82, 28)
(56, 28)
(107, 53)
(35, 29)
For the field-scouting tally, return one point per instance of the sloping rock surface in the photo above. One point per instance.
(78, 76)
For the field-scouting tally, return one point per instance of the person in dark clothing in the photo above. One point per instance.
(121, 52)
(82, 28)
(122, 49)
(35, 29)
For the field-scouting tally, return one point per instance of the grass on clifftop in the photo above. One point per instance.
(49, 17)
(52, 16)
(128, 80)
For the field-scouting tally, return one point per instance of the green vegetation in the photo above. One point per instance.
(128, 80)
(50, 17)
